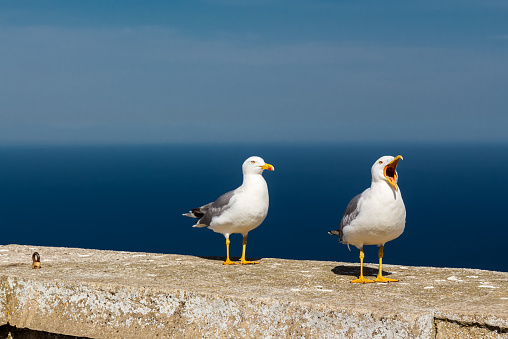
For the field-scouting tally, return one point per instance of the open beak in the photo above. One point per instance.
(268, 167)
(390, 172)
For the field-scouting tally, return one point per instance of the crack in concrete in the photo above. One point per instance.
(472, 324)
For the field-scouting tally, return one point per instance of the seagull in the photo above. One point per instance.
(375, 216)
(240, 210)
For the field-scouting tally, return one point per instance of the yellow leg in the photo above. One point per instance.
(242, 259)
(380, 277)
(362, 280)
(228, 261)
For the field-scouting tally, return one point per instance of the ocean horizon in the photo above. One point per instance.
(131, 197)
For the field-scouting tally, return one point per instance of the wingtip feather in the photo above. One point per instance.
(190, 215)
(199, 225)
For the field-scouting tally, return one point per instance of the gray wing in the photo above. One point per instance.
(216, 208)
(349, 215)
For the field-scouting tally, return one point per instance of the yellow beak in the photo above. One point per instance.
(268, 167)
(390, 172)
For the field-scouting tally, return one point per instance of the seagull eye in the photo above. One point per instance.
(380, 162)
(252, 162)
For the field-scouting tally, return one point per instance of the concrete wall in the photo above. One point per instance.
(106, 294)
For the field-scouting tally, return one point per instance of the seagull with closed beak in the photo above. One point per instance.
(375, 216)
(240, 210)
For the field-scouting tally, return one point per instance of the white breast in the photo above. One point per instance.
(248, 208)
(381, 218)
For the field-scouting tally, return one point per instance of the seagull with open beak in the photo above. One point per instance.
(375, 216)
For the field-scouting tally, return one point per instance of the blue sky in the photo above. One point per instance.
(242, 71)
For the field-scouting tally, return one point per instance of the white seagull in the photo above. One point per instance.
(240, 210)
(375, 216)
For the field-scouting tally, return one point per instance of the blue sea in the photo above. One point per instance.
(131, 198)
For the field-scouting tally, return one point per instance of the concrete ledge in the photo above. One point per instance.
(107, 294)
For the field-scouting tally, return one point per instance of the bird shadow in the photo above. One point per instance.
(217, 258)
(355, 270)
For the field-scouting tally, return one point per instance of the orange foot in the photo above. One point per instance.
(362, 280)
(384, 280)
(245, 262)
(229, 262)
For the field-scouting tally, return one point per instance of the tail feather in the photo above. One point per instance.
(336, 232)
(198, 212)
(194, 213)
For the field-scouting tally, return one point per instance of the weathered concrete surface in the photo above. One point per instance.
(107, 294)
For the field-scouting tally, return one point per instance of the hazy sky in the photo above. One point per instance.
(231, 70)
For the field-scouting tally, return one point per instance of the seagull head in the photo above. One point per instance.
(385, 169)
(255, 165)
